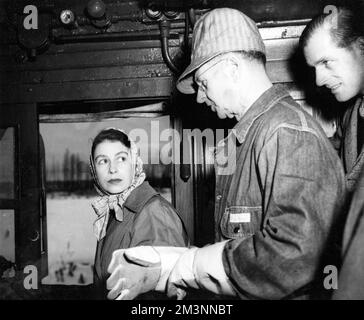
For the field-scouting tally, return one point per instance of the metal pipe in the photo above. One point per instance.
(283, 23)
(104, 37)
(192, 17)
(187, 31)
(164, 28)
(115, 18)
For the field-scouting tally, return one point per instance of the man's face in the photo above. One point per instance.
(341, 70)
(217, 88)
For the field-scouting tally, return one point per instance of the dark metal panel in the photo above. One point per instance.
(280, 49)
(183, 190)
(88, 74)
(9, 204)
(259, 10)
(148, 111)
(27, 218)
(101, 90)
(279, 71)
(97, 46)
(92, 90)
(89, 59)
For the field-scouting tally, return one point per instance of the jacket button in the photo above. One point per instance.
(218, 197)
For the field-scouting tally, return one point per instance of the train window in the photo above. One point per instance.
(7, 163)
(69, 189)
(7, 235)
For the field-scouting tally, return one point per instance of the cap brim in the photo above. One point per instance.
(185, 81)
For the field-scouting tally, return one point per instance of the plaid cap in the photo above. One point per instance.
(219, 31)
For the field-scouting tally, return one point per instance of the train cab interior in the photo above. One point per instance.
(78, 66)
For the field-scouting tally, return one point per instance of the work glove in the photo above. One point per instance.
(200, 268)
(140, 269)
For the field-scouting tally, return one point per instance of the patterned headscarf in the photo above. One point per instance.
(107, 201)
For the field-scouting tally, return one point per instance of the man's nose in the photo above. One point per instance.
(321, 77)
(201, 96)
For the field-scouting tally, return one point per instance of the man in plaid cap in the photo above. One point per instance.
(275, 210)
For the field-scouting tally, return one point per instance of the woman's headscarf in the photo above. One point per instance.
(107, 201)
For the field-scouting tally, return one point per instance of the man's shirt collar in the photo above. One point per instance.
(261, 105)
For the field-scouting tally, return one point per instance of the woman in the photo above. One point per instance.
(129, 211)
(334, 45)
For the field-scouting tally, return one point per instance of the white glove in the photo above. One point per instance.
(201, 268)
(131, 276)
(167, 269)
(140, 269)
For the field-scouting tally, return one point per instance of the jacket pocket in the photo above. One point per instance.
(240, 222)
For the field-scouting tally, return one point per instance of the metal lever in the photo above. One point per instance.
(36, 238)
(184, 169)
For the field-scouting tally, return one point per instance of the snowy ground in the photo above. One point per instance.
(70, 239)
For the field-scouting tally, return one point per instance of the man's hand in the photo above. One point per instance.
(200, 268)
(133, 271)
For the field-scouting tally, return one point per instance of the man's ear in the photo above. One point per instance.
(360, 44)
(232, 67)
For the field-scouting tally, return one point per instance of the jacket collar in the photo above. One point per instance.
(139, 197)
(351, 135)
(268, 99)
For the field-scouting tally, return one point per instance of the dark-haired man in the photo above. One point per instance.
(333, 44)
